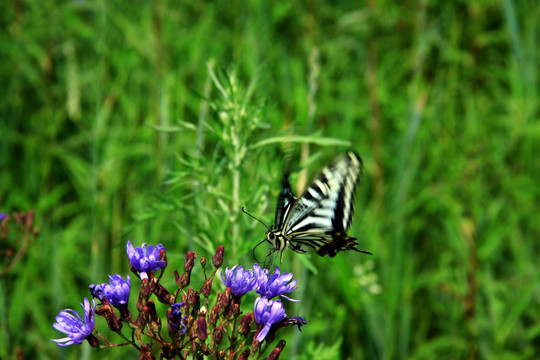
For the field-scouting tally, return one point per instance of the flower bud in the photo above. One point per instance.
(151, 317)
(193, 300)
(182, 281)
(233, 310)
(245, 323)
(190, 260)
(163, 256)
(207, 287)
(255, 344)
(217, 259)
(274, 355)
(202, 329)
(223, 302)
(147, 286)
(218, 298)
(214, 315)
(107, 311)
(203, 262)
(236, 310)
(217, 335)
(163, 295)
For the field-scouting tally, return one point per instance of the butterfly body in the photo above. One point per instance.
(320, 217)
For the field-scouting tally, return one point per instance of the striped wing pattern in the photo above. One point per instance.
(285, 202)
(320, 217)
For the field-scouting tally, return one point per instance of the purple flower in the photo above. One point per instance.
(239, 280)
(69, 322)
(116, 292)
(145, 260)
(261, 274)
(2, 216)
(175, 318)
(267, 312)
(275, 285)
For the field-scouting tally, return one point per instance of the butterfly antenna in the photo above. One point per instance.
(248, 214)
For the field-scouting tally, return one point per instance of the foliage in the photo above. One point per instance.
(111, 111)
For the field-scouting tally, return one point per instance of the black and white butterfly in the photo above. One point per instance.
(320, 217)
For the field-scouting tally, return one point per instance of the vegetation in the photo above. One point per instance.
(157, 121)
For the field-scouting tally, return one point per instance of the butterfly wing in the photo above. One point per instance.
(321, 216)
(285, 202)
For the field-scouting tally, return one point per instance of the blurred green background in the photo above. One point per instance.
(118, 123)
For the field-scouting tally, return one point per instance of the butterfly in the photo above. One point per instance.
(320, 217)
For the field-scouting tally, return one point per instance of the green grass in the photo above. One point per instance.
(112, 128)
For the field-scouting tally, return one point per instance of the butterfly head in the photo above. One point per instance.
(276, 241)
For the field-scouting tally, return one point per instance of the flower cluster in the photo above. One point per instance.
(194, 326)
(269, 314)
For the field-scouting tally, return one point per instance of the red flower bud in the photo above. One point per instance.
(236, 310)
(150, 311)
(193, 300)
(182, 281)
(274, 355)
(203, 261)
(245, 323)
(214, 315)
(163, 295)
(217, 335)
(255, 344)
(202, 329)
(107, 311)
(190, 260)
(207, 288)
(147, 286)
(223, 302)
(217, 259)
